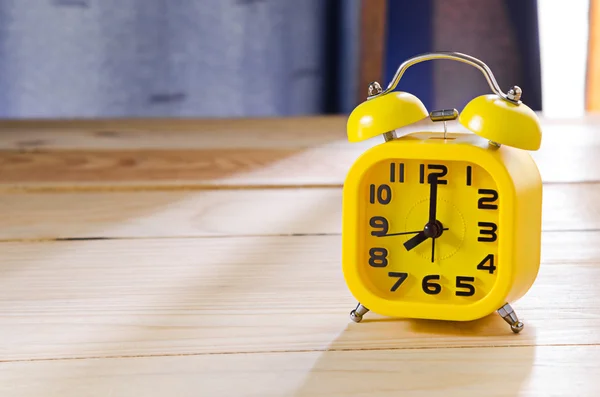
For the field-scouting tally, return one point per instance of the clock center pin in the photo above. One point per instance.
(433, 229)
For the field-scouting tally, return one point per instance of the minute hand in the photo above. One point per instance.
(433, 183)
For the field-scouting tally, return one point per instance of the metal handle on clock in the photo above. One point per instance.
(455, 56)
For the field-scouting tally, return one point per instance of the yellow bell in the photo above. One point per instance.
(502, 121)
(384, 113)
(499, 117)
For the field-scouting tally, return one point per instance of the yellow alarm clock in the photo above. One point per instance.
(442, 225)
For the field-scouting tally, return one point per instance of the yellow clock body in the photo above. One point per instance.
(438, 225)
(488, 200)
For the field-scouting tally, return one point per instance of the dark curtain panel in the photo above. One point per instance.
(502, 33)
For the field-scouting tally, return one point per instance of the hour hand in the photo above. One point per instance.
(414, 241)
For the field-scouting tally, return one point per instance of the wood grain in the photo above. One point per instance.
(67, 215)
(491, 372)
(169, 134)
(290, 133)
(109, 298)
(209, 169)
(82, 159)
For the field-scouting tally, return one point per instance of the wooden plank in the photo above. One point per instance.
(251, 294)
(157, 167)
(171, 134)
(511, 371)
(228, 212)
(230, 156)
(202, 169)
(290, 133)
(170, 213)
(571, 207)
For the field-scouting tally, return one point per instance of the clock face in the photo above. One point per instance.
(428, 231)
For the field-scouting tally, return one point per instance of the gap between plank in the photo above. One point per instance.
(104, 238)
(194, 187)
(155, 188)
(293, 351)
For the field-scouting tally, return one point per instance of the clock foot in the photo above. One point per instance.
(509, 315)
(357, 314)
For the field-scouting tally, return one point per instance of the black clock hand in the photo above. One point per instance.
(432, 214)
(398, 234)
(431, 228)
(418, 239)
(433, 198)
(414, 241)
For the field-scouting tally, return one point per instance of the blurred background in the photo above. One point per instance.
(277, 58)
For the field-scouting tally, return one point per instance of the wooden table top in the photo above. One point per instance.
(202, 258)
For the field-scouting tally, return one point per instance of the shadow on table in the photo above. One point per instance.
(477, 367)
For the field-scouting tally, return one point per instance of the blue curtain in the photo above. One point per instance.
(164, 58)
